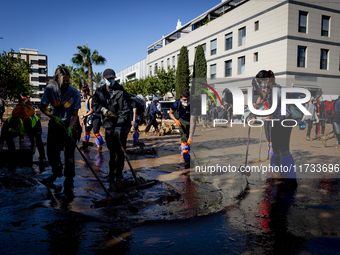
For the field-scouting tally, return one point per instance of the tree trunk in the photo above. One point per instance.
(89, 69)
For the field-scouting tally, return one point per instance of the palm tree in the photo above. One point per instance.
(97, 78)
(85, 58)
(79, 77)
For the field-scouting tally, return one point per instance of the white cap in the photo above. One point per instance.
(155, 99)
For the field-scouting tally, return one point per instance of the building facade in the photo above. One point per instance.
(298, 40)
(135, 71)
(38, 78)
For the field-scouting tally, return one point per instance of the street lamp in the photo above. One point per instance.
(1, 38)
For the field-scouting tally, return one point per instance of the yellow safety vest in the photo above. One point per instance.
(34, 119)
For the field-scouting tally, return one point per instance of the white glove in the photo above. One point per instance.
(104, 110)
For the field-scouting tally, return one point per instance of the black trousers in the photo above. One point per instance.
(57, 140)
(96, 123)
(34, 135)
(152, 121)
(268, 130)
(116, 153)
(310, 126)
(281, 136)
(323, 125)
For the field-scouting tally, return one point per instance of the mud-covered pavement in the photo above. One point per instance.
(185, 213)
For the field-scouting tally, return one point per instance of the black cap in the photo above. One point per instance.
(109, 73)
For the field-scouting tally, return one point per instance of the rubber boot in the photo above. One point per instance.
(289, 178)
(185, 152)
(275, 161)
(270, 150)
(288, 164)
(86, 139)
(87, 136)
(99, 141)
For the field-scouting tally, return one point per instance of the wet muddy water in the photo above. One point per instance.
(184, 213)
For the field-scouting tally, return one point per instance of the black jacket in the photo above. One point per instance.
(117, 103)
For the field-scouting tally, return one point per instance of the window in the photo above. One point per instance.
(34, 62)
(323, 59)
(150, 70)
(168, 63)
(213, 46)
(204, 49)
(325, 25)
(213, 71)
(162, 65)
(34, 78)
(229, 41)
(156, 67)
(301, 56)
(173, 62)
(131, 76)
(241, 65)
(228, 68)
(256, 56)
(42, 71)
(42, 79)
(242, 36)
(177, 58)
(35, 70)
(303, 22)
(256, 25)
(42, 62)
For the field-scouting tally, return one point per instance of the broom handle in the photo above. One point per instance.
(89, 165)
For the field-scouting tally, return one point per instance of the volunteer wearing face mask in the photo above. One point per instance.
(112, 101)
(182, 120)
(66, 103)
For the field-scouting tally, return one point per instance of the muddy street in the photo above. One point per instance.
(185, 212)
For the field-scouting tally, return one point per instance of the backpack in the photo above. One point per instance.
(140, 105)
(295, 112)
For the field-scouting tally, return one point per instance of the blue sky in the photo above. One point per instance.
(120, 31)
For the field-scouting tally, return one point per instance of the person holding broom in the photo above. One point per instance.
(66, 103)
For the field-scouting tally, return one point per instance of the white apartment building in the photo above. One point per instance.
(298, 40)
(135, 71)
(38, 79)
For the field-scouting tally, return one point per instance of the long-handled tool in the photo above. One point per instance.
(139, 185)
(89, 165)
